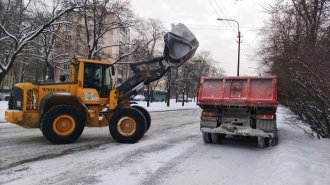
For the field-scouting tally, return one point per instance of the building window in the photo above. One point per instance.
(66, 66)
(100, 39)
(79, 28)
(67, 37)
(67, 76)
(122, 30)
(67, 47)
(67, 28)
(6, 83)
(98, 47)
(68, 18)
(80, 17)
(77, 47)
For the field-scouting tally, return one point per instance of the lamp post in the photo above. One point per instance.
(239, 41)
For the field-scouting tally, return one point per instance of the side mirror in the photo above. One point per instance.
(180, 44)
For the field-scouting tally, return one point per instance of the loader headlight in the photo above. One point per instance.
(17, 98)
(18, 103)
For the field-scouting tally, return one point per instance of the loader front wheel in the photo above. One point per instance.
(127, 125)
(62, 124)
(146, 115)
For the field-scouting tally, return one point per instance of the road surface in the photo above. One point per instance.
(171, 152)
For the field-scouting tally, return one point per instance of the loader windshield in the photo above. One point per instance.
(98, 76)
(108, 79)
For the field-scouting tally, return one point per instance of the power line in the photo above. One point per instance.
(225, 15)
(220, 16)
(231, 24)
(247, 29)
(217, 25)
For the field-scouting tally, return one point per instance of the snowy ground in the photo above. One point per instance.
(171, 152)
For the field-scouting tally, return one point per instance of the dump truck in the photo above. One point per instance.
(61, 110)
(239, 106)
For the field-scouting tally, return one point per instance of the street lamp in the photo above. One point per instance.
(239, 40)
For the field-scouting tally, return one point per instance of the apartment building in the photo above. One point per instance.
(108, 46)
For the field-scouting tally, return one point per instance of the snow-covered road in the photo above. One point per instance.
(171, 152)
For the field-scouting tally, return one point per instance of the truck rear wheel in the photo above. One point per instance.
(127, 125)
(216, 138)
(207, 137)
(62, 124)
(261, 142)
(273, 141)
(145, 113)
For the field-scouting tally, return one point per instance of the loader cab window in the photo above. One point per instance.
(96, 77)
(108, 79)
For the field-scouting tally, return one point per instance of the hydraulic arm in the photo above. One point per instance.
(180, 46)
(141, 78)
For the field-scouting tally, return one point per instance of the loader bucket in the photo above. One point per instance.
(180, 44)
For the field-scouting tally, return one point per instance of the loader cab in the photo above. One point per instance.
(98, 77)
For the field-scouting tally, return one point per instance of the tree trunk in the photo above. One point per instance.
(183, 99)
(168, 94)
(148, 93)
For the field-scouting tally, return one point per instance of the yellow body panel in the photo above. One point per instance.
(63, 92)
(14, 116)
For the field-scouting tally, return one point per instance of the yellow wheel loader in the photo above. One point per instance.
(62, 110)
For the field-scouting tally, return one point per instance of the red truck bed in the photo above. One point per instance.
(245, 90)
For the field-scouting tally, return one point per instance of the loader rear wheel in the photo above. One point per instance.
(207, 137)
(145, 113)
(216, 138)
(127, 125)
(62, 124)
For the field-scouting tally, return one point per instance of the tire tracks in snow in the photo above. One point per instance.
(80, 149)
(120, 162)
(117, 159)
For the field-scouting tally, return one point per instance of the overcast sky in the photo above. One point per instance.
(219, 37)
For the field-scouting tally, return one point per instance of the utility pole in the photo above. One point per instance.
(239, 41)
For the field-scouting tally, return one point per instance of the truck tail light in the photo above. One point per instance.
(209, 114)
(265, 116)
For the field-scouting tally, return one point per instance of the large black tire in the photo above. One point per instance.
(272, 141)
(62, 124)
(206, 137)
(145, 113)
(216, 138)
(261, 142)
(127, 125)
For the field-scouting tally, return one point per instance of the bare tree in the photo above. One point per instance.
(94, 22)
(295, 49)
(202, 64)
(170, 79)
(149, 37)
(17, 28)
